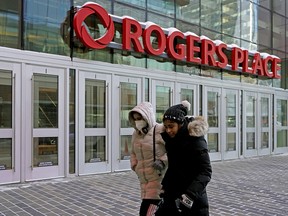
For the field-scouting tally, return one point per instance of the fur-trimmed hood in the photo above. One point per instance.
(198, 126)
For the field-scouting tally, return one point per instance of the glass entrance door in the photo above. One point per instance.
(162, 97)
(231, 125)
(94, 123)
(9, 123)
(190, 93)
(212, 110)
(126, 95)
(44, 123)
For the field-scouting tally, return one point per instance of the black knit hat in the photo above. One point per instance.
(177, 112)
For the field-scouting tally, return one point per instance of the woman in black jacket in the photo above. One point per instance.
(189, 168)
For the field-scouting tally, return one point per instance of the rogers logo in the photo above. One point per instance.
(81, 30)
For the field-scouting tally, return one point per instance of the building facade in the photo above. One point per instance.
(64, 105)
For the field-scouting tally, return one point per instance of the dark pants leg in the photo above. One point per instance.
(145, 206)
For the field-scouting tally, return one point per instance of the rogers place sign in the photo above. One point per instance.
(207, 52)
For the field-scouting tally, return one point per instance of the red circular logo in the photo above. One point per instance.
(81, 30)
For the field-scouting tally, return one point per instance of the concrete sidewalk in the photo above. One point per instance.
(256, 186)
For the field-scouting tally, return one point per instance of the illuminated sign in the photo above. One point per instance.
(192, 48)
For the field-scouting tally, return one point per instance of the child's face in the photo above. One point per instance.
(171, 127)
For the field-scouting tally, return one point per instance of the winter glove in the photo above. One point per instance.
(158, 165)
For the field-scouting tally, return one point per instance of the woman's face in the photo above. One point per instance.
(137, 116)
(171, 127)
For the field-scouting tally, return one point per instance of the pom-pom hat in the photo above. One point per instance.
(177, 112)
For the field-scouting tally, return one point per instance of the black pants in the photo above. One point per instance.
(145, 204)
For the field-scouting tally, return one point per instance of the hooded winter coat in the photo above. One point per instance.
(189, 169)
(142, 156)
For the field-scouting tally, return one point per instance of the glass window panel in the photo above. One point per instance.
(45, 151)
(5, 154)
(264, 112)
(42, 22)
(231, 109)
(211, 14)
(189, 12)
(159, 63)
(212, 109)
(249, 21)
(278, 32)
(264, 140)
(45, 101)
(263, 3)
(120, 57)
(72, 147)
(250, 111)
(104, 3)
(147, 89)
(232, 76)
(5, 99)
(124, 10)
(95, 99)
(282, 112)
(250, 140)
(163, 101)
(213, 144)
(126, 147)
(140, 3)
(164, 7)
(188, 94)
(10, 34)
(282, 138)
(231, 17)
(128, 102)
(209, 72)
(95, 149)
(162, 21)
(279, 6)
(264, 27)
(231, 142)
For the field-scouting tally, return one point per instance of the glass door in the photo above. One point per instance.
(126, 95)
(9, 123)
(162, 97)
(231, 126)
(94, 140)
(212, 110)
(249, 124)
(190, 93)
(44, 123)
(265, 133)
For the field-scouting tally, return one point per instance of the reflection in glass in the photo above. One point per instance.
(9, 23)
(128, 100)
(95, 149)
(264, 140)
(162, 101)
(45, 151)
(140, 3)
(231, 17)
(249, 21)
(213, 144)
(231, 142)
(231, 109)
(211, 14)
(45, 101)
(278, 32)
(250, 140)
(164, 7)
(125, 147)
(282, 112)
(213, 112)
(5, 99)
(5, 154)
(264, 112)
(250, 111)
(95, 99)
(282, 137)
(188, 94)
(189, 12)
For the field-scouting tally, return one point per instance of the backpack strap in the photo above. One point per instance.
(154, 148)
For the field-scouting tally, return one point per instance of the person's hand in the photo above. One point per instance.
(158, 165)
(186, 201)
(133, 168)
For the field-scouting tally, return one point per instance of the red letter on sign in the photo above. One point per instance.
(246, 62)
(179, 47)
(223, 60)
(208, 49)
(257, 65)
(237, 57)
(191, 49)
(129, 36)
(276, 67)
(265, 66)
(159, 35)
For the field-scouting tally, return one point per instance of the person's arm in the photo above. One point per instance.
(133, 159)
